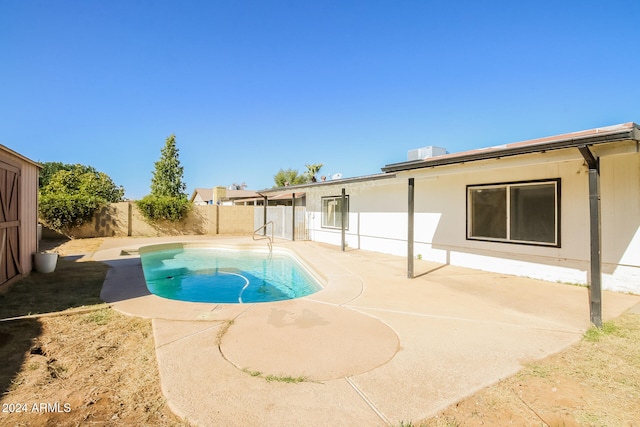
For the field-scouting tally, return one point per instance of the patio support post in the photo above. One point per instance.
(343, 221)
(264, 219)
(410, 211)
(595, 278)
(293, 216)
(129, 219)
(217, 219)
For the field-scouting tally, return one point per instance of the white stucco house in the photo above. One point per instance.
(563, 208)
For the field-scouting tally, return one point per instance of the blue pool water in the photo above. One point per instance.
(225, 276)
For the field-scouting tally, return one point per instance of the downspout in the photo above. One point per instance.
(410, 222)
(595, 277)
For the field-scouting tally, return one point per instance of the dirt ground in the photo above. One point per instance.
(98, 367)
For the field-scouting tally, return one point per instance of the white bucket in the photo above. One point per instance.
(45, 262)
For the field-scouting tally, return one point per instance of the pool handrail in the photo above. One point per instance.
(264, 234)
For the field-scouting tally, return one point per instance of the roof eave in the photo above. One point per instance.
(292, 188)
(628, 134)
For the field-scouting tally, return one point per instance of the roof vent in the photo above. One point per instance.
(425, 153)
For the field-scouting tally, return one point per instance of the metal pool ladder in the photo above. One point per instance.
(264, 235)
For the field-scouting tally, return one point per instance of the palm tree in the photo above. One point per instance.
(312, 170)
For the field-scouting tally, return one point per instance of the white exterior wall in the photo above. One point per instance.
(448, 243)
(378, 217)
(620, 186)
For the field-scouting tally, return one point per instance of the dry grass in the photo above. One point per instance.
(73, 285)
(594, 383)
(99, 367)
(96, 367)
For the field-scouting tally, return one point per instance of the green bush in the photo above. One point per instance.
(70, 194)
(158, 208)
(59, 210)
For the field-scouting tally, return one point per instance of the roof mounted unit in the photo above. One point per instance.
(425, 153)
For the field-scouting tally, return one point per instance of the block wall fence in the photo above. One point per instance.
(124, 219)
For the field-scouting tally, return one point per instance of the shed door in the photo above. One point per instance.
(9, 222)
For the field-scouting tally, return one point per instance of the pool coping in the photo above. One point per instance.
(338, 286)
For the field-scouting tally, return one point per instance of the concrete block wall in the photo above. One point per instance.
(124, 219)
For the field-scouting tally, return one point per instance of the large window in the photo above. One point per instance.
(332, 212)
(523, 212)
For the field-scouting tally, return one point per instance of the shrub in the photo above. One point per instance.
(70, 194)
(60, 210)
(158, 208)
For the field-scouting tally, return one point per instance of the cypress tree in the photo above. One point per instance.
(167, 176)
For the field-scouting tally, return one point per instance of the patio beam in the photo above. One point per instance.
(595, 276)
(410, 232)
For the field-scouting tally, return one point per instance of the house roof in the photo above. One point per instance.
(205, 194)
(292, 188)
(621, 132)
(239, 194)
(287, 196)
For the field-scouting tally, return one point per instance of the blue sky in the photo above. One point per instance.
(249, 87)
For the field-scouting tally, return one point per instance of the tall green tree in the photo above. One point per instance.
(168, 200)
(84, 180)
(49, 169)
(168, 174)
(286, 177)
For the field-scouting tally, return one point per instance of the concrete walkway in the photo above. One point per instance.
(374, 347)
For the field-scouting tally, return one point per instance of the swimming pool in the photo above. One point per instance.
(219, 275)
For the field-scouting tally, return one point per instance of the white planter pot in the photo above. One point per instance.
(45, 262)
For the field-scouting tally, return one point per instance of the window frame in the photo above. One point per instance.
(507, 186)
(323, 213)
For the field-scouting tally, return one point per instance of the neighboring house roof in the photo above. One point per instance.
(622, 132)
(205, 194)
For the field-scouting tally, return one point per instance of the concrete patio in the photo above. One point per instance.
(374, 347)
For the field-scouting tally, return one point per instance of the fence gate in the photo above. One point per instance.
(282, 221)
(9, 222)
